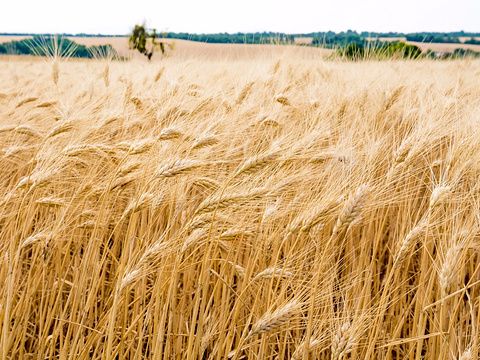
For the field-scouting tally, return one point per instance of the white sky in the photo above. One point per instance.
(212, 16)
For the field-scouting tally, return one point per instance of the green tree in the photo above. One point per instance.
(144, 41)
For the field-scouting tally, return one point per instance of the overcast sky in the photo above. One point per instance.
(211, 16)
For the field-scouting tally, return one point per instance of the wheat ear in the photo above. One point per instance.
(46, 104)
(206, 183)
(169, 134)
(210, 205)
(204, 142)
(341, 343)
(177, 167)
(66, 126)
(159, 74)
(27, 130)
(448, 272)
(466, 355)
(245, 91)
(233, 234)
(439, 195)
(141, 203)
(282, 99)
(273, 320)
(352, 209)
(409, 241)
(40, 237)
(298, 354)
(273, 272)
(141, 146)
(50, 202)
(26, 101)
(256, 163)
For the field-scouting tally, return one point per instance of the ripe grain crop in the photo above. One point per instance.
(268, 207)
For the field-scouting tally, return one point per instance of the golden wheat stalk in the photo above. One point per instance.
(129, 278)
(139, 147)
(40, 237)
(313, 344)
(233, 234)
(304, 225)
(62, 128)
(14, 150)
(273, 272)
(393, 97)
(139, 204)
(87, 149)
(225, 201)
(170, 133)
(50, 202)
(177, 167)
(27, 130)
(256, 163)
(195, 238)
(272, 320)
(205, 141)
(439, 195)
(341, 342)
(409, 241)
(152, 254)
(200, 221)
(159, 74)
(352, 209)
(105, 75)
(128, 168)
(47, 104)
(245, 91)
(206, 183)
(26, 101)
(448, 272)
(282, 99)
(467, 354)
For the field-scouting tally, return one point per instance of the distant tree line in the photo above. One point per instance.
(328, 37)
(331, 39)
(432, 38)
(238, 38)
(325, 39)
(39, 45)
(454, 34)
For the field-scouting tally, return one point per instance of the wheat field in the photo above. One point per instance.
(278, 207)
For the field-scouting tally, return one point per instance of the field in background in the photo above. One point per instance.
(190, 49)
(436, 47)
(274, 207)
(186, 48)
(444, 48)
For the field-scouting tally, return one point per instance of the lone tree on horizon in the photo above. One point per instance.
(139, 39)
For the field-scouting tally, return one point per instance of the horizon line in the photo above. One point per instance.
(236, 33)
